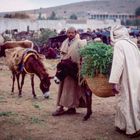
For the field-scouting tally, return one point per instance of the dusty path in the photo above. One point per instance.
(30, 119)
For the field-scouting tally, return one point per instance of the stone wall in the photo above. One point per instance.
(21, 25)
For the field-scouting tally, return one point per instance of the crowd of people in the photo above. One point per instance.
(124, 77)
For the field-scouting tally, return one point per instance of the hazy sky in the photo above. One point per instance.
(15, 5)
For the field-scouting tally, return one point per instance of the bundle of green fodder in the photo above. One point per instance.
(96, 66)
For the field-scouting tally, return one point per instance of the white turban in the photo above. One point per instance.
(71, 29)
(119, 32)
(1, 40)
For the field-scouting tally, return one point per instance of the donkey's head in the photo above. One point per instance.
(65, 68)
(45, 86)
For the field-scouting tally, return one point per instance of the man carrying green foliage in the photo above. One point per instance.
(125, 77)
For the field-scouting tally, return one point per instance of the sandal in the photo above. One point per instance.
(58, 112)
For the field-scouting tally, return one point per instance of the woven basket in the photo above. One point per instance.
(100, 86)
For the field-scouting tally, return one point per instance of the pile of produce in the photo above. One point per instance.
(97, 59)
(96, 67)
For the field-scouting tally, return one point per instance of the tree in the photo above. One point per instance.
(7, 16)
(137, 12)
(52, 16)
(17, 15)
(40, 17)
(44, 36)
(73, 16)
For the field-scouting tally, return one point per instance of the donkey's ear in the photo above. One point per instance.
(51, 77)
(62, 60)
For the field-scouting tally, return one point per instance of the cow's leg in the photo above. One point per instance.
(88, 94)
(13, 81)
(22, 81)
(32, 84)
(18, 83)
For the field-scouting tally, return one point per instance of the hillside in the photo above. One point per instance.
(82, 9)
(96, 6)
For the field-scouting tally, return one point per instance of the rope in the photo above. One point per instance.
(25, 59)
(81, 80)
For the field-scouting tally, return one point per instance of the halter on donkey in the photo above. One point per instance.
(31, 63)
(69, 68)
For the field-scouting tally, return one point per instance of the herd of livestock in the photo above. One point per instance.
(50, 47)
(28, 55)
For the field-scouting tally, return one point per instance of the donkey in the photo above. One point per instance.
(69, 68)
(30, 63)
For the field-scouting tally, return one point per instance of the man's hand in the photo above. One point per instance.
(116, 88)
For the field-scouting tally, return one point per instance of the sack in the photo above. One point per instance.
(100, 86)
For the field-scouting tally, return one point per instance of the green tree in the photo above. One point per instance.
(73, 16)
(44, 36)
(17, 15)
(39, 16)
(7, 16)
(137, 12)
(52, 16)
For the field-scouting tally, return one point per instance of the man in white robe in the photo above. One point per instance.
(125, 72)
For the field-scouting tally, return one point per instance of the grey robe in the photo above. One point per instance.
(69, 91)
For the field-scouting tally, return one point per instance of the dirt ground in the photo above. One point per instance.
(26, 118)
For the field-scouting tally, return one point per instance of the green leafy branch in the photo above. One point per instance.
(97, 58)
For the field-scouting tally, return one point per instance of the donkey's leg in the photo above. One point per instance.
(88, 94)
(18, 83)
(22, 81)
(13, 81)
(32, 84)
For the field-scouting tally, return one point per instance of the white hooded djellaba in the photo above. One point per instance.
(126, 72)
